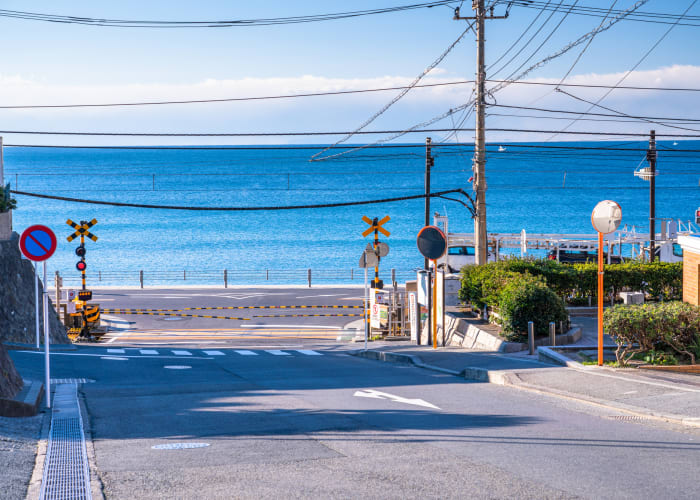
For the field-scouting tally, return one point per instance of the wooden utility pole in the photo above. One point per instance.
(651, 158)
(429, 162)
(479, 166)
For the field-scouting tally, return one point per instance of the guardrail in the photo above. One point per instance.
(226, 277)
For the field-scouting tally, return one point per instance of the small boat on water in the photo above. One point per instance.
(501, 149)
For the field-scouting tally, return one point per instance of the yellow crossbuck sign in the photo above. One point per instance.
(82, 229)
(373, 224)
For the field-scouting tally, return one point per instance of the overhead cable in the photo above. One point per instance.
(238, 209)
(130, 23)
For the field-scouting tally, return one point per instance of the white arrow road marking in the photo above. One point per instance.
(371, 393)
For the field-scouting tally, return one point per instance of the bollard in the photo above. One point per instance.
(531, 336)
(552, 333)
(309, 276)
(561, 328)
(141, 278)
(225, 278)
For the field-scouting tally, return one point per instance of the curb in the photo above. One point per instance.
(25, 403)
(511, 379)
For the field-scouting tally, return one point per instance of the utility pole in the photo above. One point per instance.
(479, 166)
(429, 162)
(651, 158)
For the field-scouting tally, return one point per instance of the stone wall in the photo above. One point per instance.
(10, 381)
(17, 320)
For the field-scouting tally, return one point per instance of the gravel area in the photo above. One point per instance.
(18, 445)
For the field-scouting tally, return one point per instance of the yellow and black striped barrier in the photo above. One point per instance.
(221, 308)
(305, 315)
(152, 313)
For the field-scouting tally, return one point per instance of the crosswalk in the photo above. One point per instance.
(184, 353)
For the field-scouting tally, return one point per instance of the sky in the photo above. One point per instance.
(56, 63)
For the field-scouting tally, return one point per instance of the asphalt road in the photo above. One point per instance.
(277, 325)
(323, 424)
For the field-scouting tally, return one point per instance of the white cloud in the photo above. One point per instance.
(320, 113)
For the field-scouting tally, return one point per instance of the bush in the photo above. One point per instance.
(527, 298)
(654, 328)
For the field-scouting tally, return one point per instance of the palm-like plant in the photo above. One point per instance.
(7, 203)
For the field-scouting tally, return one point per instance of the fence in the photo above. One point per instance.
(226, 277)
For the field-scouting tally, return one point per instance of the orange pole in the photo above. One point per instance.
(434, 311)
(600, 299)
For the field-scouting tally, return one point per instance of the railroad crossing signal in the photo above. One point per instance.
(375, 225)
(380, 249)
(82, 229)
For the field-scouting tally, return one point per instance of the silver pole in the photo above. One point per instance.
(552, 333)
(531, 336)
(366, 305)
(36, 301)
(46, 343)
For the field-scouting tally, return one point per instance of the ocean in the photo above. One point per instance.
(539, 187)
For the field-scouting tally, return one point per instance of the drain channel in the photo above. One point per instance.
(66, 473)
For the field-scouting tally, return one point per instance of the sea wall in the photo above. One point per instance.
(17, 320)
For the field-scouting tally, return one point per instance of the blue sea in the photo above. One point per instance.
(539, 187)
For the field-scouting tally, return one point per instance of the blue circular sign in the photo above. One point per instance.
(37, 243)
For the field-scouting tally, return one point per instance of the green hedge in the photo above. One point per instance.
(481, 285)
(527, 298)
(652, 328)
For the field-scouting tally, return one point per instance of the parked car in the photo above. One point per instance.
(581, 256)
(459, 256)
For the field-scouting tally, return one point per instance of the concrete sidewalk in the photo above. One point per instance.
(670, 397)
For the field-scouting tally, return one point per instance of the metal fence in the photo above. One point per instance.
(226, 277)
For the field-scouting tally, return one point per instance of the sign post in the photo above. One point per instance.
(368, 259)
(432, 244)
(38, 243)
(606, 218)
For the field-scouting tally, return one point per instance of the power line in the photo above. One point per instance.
(238, 209)
(396, 98)
(284, 134)
(233, 99)
(617, 115)
(126, 23)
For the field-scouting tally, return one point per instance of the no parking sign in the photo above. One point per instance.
(37, 243)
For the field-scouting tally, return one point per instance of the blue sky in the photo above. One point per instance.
(48, 63)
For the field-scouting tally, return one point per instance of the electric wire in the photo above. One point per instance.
(126, 23)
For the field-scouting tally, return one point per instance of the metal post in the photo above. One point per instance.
(651, 157)
(2, 166)
(351, 274)
(141, 278)
(429, 161)
(36, 302)
(600, 299)
(47, 367)
(434, 310)
(531, 337)
(430, 307)
(57, 283)
(184, 275)
(225, 278)
(552, 333)
(366, 309)
(561, 327)
(309, 277)
(443, 307)
(393, 278)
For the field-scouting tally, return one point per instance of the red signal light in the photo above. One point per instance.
(81, 265)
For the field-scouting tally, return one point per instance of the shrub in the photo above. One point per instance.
(654, 328)
(527, 298)
(7, 203)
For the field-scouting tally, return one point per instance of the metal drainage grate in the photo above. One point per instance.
(628, 418)
(66, 473)
(72, 381)
(179, 446)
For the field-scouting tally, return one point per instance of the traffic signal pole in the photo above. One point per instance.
(82, 272)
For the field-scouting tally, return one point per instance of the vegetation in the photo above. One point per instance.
(657, 333)
(7, 203)
(662, 280)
